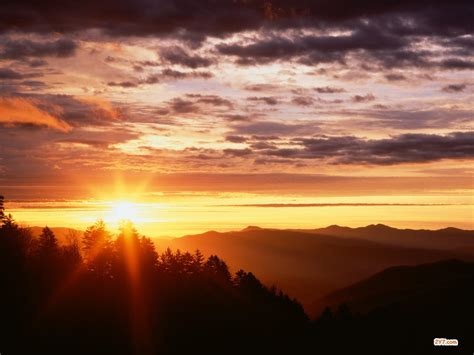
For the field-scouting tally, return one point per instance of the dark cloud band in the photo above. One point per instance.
(405, 148)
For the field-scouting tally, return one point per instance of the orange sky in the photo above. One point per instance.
(188, 105)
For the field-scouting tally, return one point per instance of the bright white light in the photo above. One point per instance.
(124, 211)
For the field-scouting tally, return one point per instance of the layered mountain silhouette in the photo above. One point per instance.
(114, 294)
(96, 292)
(408, 287)
(447, 238)
(62, 233)
(310, 264)
(401, 310)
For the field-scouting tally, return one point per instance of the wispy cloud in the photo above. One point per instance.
(21, 111)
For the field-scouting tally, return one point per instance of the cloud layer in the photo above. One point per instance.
(19, 111)
(381, 88)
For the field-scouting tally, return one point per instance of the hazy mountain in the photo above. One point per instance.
(402, 310)
(309, 264)
(407, 286)
(63, 234)
(306, 265)
(447, 238)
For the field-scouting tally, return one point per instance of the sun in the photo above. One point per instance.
(122, 211)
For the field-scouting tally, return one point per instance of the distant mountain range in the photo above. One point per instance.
(62, 233)
(402, 310)
(313, 264)
(447, 238)
(309, 264)
(408, 287)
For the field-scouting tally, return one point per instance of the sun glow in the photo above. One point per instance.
(123, 211)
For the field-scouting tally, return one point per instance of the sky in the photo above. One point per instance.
(207, 114)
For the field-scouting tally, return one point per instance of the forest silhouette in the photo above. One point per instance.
(105, 293)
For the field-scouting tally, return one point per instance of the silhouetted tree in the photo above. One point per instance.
(2, 208)
(125, 298)
(95, 238)
(47, 263)
(47, 244)
(15, 241)
(249, 284)
(169, 262)
(343, 313)
(71, 254)
(98, 250)
(217, 269)
(128, 249)
(15, 249)
(326, 317)
(198, 261)
(148, 254)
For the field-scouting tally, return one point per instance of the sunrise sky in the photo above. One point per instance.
(198, 115)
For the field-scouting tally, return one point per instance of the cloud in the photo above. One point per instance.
(80, 111)
(399, 58)
(363, 98)
(456, 63)
(262, 145)
(391, 34)
(273, 128)
(177, 55)
(238, 152)
(453, 88)
(409, 148)
(35, 63)
(387, 42)
(195, 103)
(9, 74)
(328, 90)
(193, 21)
(310, 31)
(311, 49)
(236, 139)
(21, 111)
(164, 75)
(395, 77)
(33, 84)
(287, 205)
(213, 100)
(123, 84)
(179, 105)
(405, 148)
(177, 75)
(269, 100)
(102, 140)
(275, 115)
(100, 108)
(302, 100)
(236, 117)
(406, 119)
(25, 48)
(261, 87)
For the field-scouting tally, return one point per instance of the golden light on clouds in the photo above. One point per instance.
(97, 111)
(16, 110)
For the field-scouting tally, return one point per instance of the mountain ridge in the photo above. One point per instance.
(402, 284)
(308, 264)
